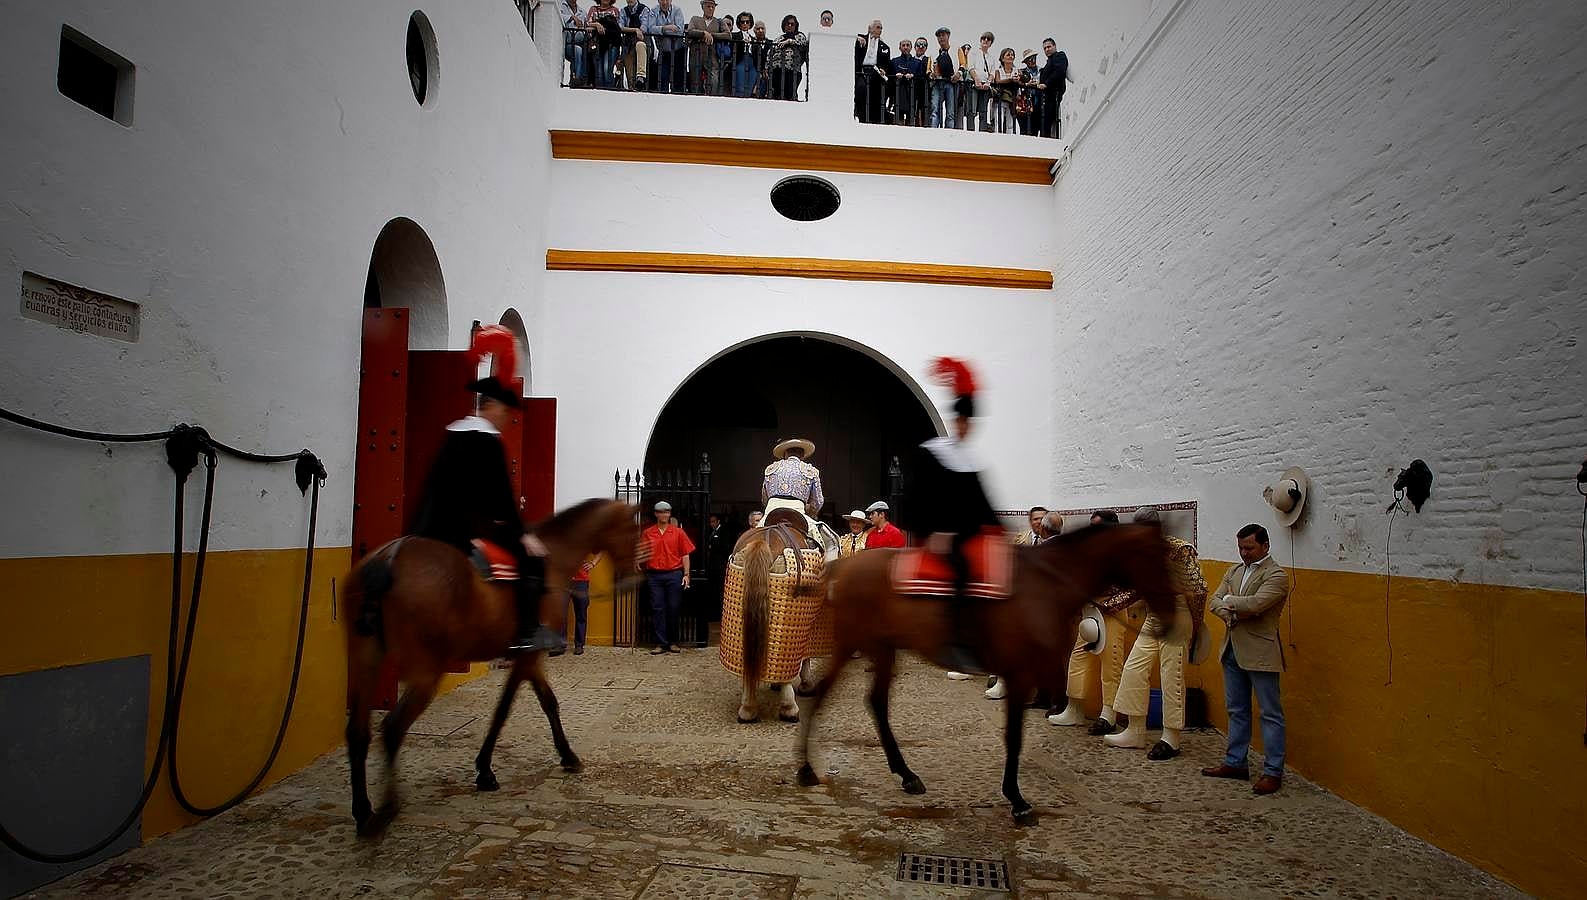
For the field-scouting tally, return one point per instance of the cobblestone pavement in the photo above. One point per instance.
(677, 800)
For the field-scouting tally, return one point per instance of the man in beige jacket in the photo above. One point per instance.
(1250, 600)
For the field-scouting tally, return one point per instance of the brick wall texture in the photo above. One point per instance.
(1339, 235)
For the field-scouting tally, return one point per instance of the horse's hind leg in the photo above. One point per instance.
(1013, 740)
(549, 705)
(881, 684)
(361, 684)
(420, 691)
(807, 721)
(486, 779)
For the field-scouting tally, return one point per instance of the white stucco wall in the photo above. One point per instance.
(621, 344)
(1293, 242)
(270, 143)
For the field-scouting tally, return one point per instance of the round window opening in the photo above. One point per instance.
(805, 198)
(423, 66)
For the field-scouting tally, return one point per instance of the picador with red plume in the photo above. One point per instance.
(468, 495)
(948, 505)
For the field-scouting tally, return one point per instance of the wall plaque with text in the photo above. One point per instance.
(78, 309)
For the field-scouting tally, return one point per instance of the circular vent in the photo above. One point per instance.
(805, 198)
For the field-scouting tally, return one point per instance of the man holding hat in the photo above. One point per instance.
(853, 542)
(468, 495)
(883, 533)
(666, 575)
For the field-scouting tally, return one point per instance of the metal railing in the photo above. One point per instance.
(924, 100)
(526, 9)
(685, 64)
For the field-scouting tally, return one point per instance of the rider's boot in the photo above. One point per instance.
(532, 635)
(959, 655)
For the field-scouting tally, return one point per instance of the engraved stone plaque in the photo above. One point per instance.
(78, 309)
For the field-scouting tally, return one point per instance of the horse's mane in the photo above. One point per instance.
(563, 522)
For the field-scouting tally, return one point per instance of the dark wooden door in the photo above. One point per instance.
(537, 489)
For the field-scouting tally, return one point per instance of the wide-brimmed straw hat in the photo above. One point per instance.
(856, 515)
(1287, 495)
(781, 450)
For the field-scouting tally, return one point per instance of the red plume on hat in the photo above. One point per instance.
(503, 349)
(954, 375)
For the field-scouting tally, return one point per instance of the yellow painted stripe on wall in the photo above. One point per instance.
(615, 146)
(70, 610)
(797, 267)
(1477, 746)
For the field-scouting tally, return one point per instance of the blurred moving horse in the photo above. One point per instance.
(1026, 637)
(427, 604)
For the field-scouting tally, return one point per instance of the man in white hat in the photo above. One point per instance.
(853, 542)
(791, 482)
(1167, 651)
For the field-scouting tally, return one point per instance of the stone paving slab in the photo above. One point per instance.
(678, 800)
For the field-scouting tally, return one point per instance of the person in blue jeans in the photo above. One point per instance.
(579, 593)
(944, 77)
(666, 575)
(1250, 600)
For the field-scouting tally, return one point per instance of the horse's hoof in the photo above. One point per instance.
(750, 721)
(487, 781)
(786, 717)
(913, 785)
(375, 824)
(573, 765)
(807, 776)
(1025, 817)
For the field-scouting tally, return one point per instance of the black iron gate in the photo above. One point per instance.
(689, 492)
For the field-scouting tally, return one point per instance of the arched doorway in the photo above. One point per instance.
(405, 273)
(513, 322)
(860, 411)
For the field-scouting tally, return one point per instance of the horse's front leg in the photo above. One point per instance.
(1013, 741)
(486, 779)
(548, 704)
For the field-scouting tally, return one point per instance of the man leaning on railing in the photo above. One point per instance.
(668, 28)
(574, 36)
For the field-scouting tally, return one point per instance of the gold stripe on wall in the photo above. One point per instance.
(796, 267)
(612, 146)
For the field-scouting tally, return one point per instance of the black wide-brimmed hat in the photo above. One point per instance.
(493, 388)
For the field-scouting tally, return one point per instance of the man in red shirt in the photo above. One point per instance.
(884, 533)
(666, 575)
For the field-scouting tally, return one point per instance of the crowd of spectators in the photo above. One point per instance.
(965, 87)
(639, 47)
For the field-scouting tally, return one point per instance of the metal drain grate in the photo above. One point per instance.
(956, 871)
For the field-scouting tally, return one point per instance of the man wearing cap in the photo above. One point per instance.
(705, 73)
(666, 575)
(1250, 600)
(944, 75)
(853, 542)
(468, 494)
(1163, 648)
(883, 533)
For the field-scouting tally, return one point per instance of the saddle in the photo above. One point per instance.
(919, 573)
(493, 562)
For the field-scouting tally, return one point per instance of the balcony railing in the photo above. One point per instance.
(685, 64)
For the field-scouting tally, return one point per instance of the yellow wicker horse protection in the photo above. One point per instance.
(797, 612)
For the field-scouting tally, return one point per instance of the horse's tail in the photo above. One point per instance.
(367, 586)
(757, 609)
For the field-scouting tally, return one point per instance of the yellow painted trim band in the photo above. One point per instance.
(795, 267)
(612, 146)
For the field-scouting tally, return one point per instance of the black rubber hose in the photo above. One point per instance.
(187, 650)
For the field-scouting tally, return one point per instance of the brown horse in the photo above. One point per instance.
(425, 603)
(1026, 638)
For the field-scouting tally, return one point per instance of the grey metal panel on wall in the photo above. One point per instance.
(71, 762)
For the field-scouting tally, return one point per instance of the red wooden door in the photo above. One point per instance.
(537, 492)
(379, 461)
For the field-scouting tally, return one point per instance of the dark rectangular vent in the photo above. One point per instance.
(94, 76)
(953, 871)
